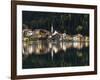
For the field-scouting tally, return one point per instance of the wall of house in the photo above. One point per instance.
(5, 40)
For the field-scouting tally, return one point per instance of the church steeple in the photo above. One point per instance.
(52, 28)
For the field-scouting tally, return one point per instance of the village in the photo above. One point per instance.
(53, 35)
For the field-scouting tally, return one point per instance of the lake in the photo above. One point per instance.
(46, 54)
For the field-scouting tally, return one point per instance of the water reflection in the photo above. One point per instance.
(43, 53)
(42, 47)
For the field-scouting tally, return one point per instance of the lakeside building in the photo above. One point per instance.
(54, 35)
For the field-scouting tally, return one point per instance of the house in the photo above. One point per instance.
(40, 34)
(27, 32)
(78, 37)
(56, 36)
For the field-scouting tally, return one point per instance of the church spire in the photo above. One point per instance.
(52, 28)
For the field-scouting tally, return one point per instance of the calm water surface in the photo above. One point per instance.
(43, 53)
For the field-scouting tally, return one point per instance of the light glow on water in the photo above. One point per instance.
(55, 54)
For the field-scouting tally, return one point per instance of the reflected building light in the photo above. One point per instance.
(40, 46)
(78, 45)
(81, 45)
(50, 45)
(37, 51)
(41, 49)
(79, 54)
(25, 44)
(52, 53)
(25, 52)
(55, 49)
(61, 44)
(75, 44)
(69, 45)
(30, 49)
(64, 46)
(86, 44)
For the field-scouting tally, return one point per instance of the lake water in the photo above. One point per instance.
(45, 54)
